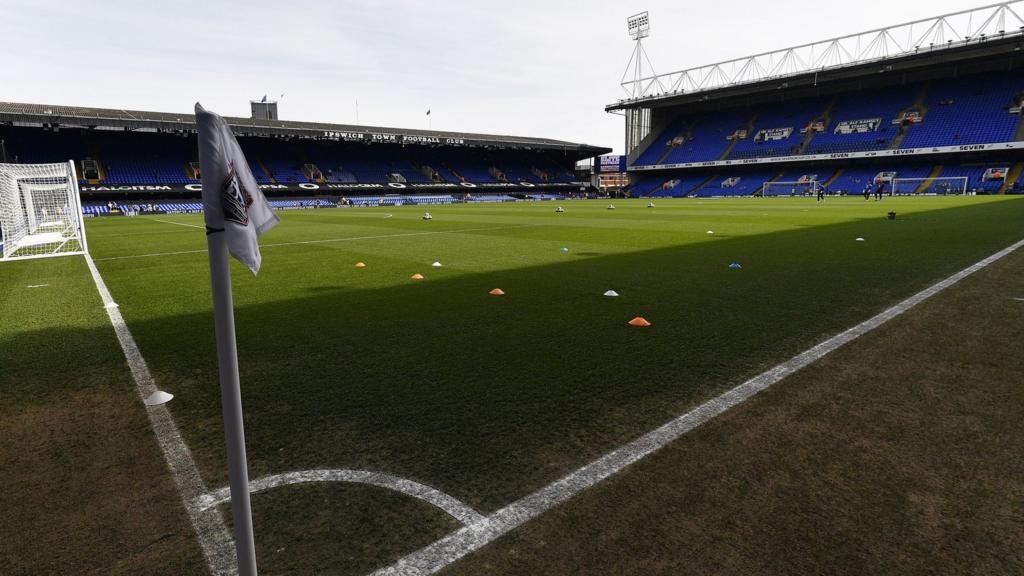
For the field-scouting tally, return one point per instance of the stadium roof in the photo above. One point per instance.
(976, 35)
(43, 115)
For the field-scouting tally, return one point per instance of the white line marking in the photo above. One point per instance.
(179, 223)
(329, 240)
(454, 507)
(475, 536)
(37, 286)
(203, 251)
(214, 538)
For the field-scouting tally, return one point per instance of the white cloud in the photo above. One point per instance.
(531, 67)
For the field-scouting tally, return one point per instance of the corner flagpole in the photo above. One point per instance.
(236, 213)
(231, 401)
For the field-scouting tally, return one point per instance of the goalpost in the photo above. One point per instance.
(40, 211)
(941, 185)
(794, 188)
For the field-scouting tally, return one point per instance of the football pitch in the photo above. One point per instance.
(475, 400)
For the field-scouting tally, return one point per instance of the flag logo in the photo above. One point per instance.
(235, 198)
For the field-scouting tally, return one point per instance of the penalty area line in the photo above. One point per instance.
(326, 241)
(178, 223)
(474, 536)
(217, 545)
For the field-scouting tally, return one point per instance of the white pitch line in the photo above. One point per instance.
(179, 223)
(454, 507)
(328, 240)
(214, 538)
(475, 536)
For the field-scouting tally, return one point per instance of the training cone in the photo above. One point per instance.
(436, 264)
(563, 249)
(611, 293)
(360, 265)
(639, 321)
(157, 398)
(711, 231)
(735, 266)
(497, 292)
(860, 239)
(416, 277)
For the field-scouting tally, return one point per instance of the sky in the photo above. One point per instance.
(526, 68)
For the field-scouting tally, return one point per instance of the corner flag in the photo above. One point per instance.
(236, 213)
(232, 200)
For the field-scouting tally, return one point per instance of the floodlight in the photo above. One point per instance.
(639, 25)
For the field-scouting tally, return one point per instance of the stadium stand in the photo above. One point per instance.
(969, 110)
(706, 137)
(972, 112)
(835, 180)
(791, 116)
(128, 155)
(871, 112)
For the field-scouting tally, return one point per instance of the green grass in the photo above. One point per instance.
(84, 487)
(896, 454)
(488, 398)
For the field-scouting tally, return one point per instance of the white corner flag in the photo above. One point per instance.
(236, 214)
(232, 200)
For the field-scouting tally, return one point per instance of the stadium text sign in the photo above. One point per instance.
(839, 155)
(772, 134)
(612, 163)
(333, 187)
(392, 138)
(858, 126)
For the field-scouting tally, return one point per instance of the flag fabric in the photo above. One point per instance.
(428, 111)
(232, 200)
(264, 99)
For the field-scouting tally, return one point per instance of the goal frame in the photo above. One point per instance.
(811, 187)
(894, 185)
(74, 204)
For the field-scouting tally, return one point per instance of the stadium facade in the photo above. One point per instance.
(135, 157)
(933, 105)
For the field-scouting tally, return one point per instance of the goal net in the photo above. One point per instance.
(941, 185)
(794, 188)
(40, 211)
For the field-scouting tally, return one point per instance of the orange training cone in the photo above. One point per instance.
(360, 265)
(639, 321)
(497, 292)
(416, 277)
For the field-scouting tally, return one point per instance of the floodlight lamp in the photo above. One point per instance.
(639, 25)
